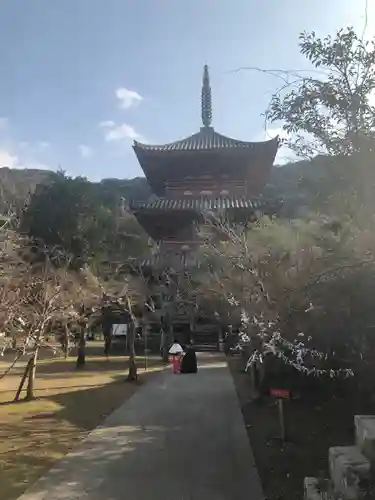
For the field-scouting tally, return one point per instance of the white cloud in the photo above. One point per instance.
(8, 160)
(121, 132)
(21, 155)
(128, 98)
(107, 124)
(85, 151)
(12, 160)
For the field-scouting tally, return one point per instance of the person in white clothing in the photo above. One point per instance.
(175, 353)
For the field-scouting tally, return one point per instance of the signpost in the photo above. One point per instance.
(281, 395)
(146, 327)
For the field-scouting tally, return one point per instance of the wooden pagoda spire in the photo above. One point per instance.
(207, 155)
(206, 101)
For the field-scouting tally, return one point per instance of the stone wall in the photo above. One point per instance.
(350, 467)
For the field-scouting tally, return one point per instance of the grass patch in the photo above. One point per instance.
(70, 403)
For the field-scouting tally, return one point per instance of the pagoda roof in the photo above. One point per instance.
(199, 204)
(206, 152)
(208, 139)
(164, 217)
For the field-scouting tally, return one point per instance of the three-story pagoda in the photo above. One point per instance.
(205, 172)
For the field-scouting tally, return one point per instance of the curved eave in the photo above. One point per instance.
(161, 164)
(206, 140)
(196, 206)
(199, 204)
(185, 211)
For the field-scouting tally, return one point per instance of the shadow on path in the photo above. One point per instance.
(34, 435)
(179, 437)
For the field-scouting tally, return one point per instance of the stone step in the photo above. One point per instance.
(206, 347)
(317, 489)
(365, 435)
(348, 469)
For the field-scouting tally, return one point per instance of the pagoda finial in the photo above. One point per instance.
(206, 98)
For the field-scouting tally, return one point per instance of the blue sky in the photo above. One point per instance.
(81, 78)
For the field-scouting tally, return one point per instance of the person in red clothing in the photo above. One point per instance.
(175, 353)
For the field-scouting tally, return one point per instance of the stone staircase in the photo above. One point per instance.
(350, 467)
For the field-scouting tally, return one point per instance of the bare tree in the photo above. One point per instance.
(35, 295)
(290, 284)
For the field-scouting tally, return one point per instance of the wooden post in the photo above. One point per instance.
(281, 394)
(146, 347)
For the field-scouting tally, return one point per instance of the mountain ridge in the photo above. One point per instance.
(16, 185)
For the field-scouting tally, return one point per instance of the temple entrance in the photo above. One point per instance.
(182, 333)
(206, 334)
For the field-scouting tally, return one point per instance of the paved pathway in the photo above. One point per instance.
(180, 437)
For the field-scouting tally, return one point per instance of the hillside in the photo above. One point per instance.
(17, 184)
(293, 181)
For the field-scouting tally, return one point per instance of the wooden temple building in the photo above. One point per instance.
(206, 172)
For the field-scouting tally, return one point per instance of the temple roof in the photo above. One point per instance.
(198, 204)
(165, 218)
(207, 139)
(206, 152)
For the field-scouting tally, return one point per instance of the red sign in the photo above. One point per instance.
(280, 393)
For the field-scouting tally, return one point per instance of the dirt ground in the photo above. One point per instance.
(33, 435)
(313, 425)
